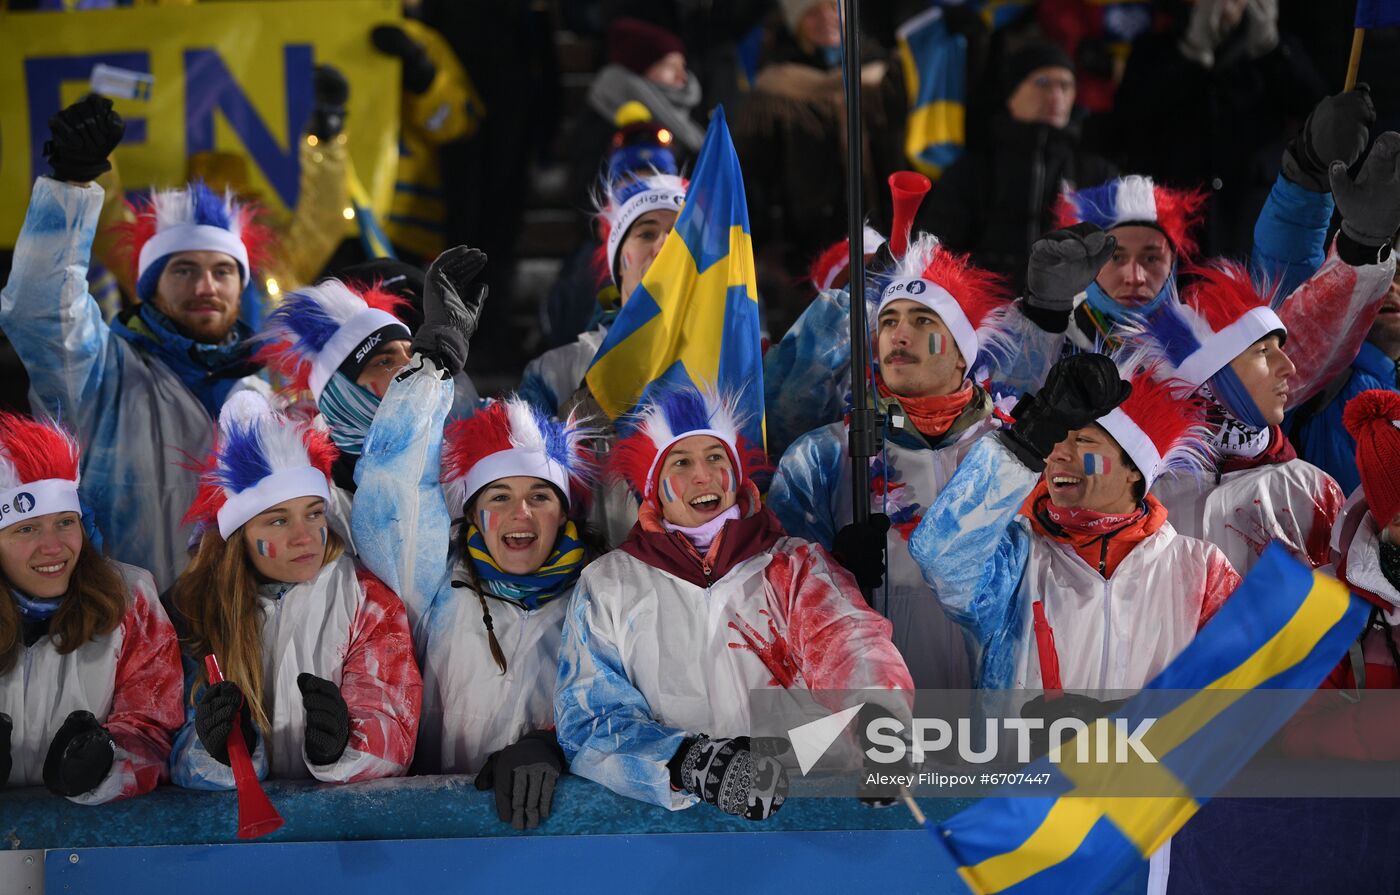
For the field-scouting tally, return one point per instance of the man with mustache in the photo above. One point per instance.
(939, 319)
(143, 392)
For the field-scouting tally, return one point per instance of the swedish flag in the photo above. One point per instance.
(694, 317)
(935, 80)
(1284, 629)
(1377, 13)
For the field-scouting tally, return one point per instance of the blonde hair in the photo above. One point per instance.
(218, 596)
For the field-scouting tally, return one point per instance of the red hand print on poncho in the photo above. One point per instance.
(774, 652)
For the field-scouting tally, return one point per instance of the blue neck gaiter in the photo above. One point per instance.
(1104, 304)
(1230, 391)
(34, 610)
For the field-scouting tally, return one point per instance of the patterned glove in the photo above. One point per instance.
(726, 773)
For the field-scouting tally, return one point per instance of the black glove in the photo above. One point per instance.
(79, 757)
(1370, 204)
(1337, 130)
(1066, 705)
(727, 774)
(1063, 263)
(81, 137)
(213, 720)
(332, 92)
(1078, 390)
(861, 549)
(418, 69)
(327, 719)
(451, 307)
(6, 727)
(523, 775)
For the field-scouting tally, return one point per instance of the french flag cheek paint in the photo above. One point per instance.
(486, 520)
(325, 535)
(1097, 464)
(726, 481)
(937, 343)
(265, 548)
(668, 490)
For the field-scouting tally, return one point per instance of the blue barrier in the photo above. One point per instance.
(430, 834)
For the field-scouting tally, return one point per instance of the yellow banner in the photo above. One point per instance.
(232, 77)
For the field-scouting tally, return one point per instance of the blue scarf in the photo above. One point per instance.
(349, 409)
(34, 610)
(209, 371)
(554, 577)
(1225, 385)
(1102, 303)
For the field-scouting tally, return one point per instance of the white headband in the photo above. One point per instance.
(726, 440)
(194, 238)
(659, 198)
(34, 499)
(941, 302)
(1134, 443)
(1218, 349)
(347, 339)
(513, 462)
(299, 481)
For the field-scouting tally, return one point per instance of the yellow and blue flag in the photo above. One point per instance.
(694, 317)
(935, 80)
(1276, 638)
(1377, 13)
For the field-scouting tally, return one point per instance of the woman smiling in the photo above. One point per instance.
(89, 666)
(483, 551)
(316, 656)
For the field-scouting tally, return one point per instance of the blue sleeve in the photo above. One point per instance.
(1325, 443)
(191, 766)
(807, 375)
(55, 326)
(604, 724)
(970, 548)
(803, 494)
(400, 518)
(1290, 236)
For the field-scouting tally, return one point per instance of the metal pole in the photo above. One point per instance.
(862, 433)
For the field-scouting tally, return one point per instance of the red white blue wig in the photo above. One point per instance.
(671, 415)
(1136, 200)
(1161, 427)
(193, 219)
(261, 458)
(320, 329)
(973, 303)
(38, 470)
(511, 438)
(1221, 313)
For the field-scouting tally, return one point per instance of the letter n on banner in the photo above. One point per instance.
(44, 77)
(210, 86)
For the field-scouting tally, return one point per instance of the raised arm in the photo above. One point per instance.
(1329, 315)
(45, 309)
(400, 518)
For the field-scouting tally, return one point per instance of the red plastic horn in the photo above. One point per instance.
(256, 816)
(908, 189)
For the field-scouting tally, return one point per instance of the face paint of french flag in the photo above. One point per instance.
(1097, 464)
